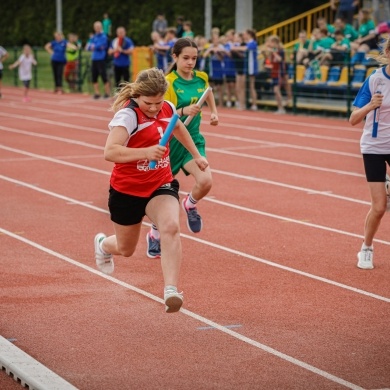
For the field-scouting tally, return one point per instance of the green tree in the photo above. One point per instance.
(33, 22)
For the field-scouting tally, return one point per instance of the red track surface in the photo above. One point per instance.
(273, 298)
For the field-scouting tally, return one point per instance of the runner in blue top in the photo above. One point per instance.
(121, 48)
(372, 104)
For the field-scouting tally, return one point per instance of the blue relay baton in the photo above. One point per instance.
(165, 138)
(376, 121)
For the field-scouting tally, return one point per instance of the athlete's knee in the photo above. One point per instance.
(170, 228)
(205, 182)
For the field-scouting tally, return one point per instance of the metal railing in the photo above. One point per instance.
(288, 30)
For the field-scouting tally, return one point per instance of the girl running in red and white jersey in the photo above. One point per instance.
(141, 118)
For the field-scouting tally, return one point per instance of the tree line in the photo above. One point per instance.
(34, 21)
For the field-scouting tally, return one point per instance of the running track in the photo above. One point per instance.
(273, 297)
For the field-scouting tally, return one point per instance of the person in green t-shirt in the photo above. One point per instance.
(187, 27)
(186, 87)
(348, 30)
(323, 23)
(107, 25)
(338, 51)
(301, 48)
(367, 39)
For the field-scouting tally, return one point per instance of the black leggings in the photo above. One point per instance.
(58, 71)
(121, 72)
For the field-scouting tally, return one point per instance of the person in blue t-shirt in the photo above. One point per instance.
(57, 50)
(251, 64)
(98, 44)
(121, 48)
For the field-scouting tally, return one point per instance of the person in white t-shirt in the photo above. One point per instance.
(372, 103)
(3, 57)
(25, 63)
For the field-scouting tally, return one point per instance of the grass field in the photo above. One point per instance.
(43, 76)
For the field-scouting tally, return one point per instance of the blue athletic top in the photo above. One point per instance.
(251, 64)
(59, 50)
(123, 59)
(98, 45)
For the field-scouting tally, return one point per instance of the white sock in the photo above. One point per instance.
(154, 232)
(101, 247)
(191, 202)
(365, 247)
(169, 287)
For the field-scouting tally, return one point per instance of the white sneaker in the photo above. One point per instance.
(104, 262)
(253, 107)
(365, 259)
(173, 299)
(280, 111)
(228, 104)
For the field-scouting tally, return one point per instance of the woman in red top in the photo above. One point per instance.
(141, 117)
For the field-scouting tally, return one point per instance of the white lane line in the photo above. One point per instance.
(217, 246)
(239, 176)
(209, 134)
(21, 366)
(195, 316)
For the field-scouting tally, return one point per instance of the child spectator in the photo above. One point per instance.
(107, 25)
(25, 63)
(274, 53)
(72, 60)
(237, 51)
(347, 29)
(367, 39)
(323, 23)
(338, 51)
(214, 55)
(229, 69)
(187, 27)
(301, 48)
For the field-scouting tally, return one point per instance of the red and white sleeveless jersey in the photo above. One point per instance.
(135, 177)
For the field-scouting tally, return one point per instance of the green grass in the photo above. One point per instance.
(42, 73)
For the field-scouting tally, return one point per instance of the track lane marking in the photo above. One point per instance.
(193, 315)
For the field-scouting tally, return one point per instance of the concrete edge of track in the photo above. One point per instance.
(28, 371)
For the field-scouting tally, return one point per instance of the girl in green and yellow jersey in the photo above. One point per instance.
(186, 86)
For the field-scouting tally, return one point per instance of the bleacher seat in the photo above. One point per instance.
(342, 79)
(324, 77)
(334, 74)
(358, 76)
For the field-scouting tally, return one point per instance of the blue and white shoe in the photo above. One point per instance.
(153, 248)
(194, 220)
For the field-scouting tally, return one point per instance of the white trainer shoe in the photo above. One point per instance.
(173, 299)
(104, 262)
(366, 259)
